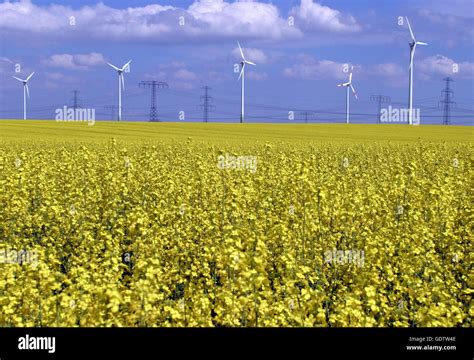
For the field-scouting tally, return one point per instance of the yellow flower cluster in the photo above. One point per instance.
(159, 235)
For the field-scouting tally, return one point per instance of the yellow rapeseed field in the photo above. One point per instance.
(220, 225)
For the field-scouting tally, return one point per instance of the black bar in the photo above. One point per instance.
(148, 343)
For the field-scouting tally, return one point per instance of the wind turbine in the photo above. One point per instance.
(26, 91)
(348, 85)
(242, 76)
(413, 44)
(121, 85)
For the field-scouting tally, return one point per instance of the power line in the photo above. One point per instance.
(111, 108)
(308, 115)
(75, 100)
(154, 86)
(447, 102)
(380, 99)
(207, 106)
(272, 111)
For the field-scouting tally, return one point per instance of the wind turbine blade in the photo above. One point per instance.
(421, 43)
(241, 72)
(122, 80)
(115, 67)
(412, 56)
(27, 90)
(251, 63)
(350, 77)
(29, 77)
(241, 51)
(126, 65)
(353, 91)
(411, 32)
(18, 78)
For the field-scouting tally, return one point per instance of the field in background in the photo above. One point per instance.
(139, 224)
(25, 131)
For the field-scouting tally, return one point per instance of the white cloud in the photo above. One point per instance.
(250, 19)
(176, 64)
(217, 77)
(309, 68)
(206, 20)
(91, 59)
(452, 29)
(440, 65)
(252, 75)
(184, 74)
(433, 67)
(392, 74)
(77, 61)
(314, 16)
(172, 67)
(389, 70)
(176, 74)
(57, 80)
(57, 76)
(460, 8)
(251, 54)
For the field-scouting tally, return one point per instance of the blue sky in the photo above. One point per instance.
(300, 48)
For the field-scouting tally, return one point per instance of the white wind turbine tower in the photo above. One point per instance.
(413, 44)
(348, 85)
(121, 85)
(242, 76)
(26, 91)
